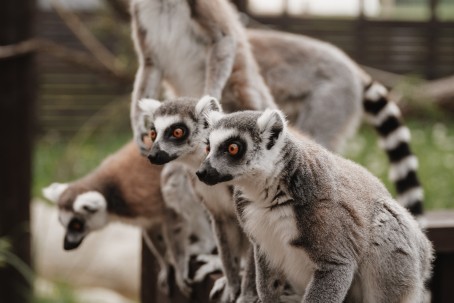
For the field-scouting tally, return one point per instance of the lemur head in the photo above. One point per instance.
(80, 211)
(178, 128)
(242, 144)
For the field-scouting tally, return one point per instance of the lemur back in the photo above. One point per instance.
(310, 212)
(200, 47)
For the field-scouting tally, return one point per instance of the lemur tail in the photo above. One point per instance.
(385, 116)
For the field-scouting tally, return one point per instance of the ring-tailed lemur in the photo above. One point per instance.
(329, 225)
(125, 188)
(178, 130)
(200, 47)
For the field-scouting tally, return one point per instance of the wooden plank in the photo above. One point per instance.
(17, 98)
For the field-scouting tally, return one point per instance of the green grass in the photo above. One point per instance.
(66, 160)
(432, 142)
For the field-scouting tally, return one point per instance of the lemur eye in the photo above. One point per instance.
(207, 149)
(178, 133)
(233, 149)
(153, 134)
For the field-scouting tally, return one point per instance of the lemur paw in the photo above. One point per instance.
(222, 293)
(163, 281)
(212, 264)
(218, 289)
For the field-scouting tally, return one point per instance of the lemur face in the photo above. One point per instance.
(242, 145)
(79, 212)
(177, 128)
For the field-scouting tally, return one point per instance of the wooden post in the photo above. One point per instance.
(432, 37)
(17, 94)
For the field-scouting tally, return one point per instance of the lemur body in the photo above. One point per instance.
(200, 47)
(188, 116)
(329, 225)
(125, 188)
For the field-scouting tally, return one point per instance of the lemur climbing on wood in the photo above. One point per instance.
(125, 188)
(326, 223)
(200, 47)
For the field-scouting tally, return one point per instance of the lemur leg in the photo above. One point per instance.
(147, 81)
(176, 234)
(248, 284)
(156, 246)
(339, 106)
(330, 284)
(228, 236)
(219, 64)
(270, 283)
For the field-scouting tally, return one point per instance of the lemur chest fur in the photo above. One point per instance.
(179, 50)
(270, 220)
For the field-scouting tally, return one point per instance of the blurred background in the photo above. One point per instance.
(84, 70)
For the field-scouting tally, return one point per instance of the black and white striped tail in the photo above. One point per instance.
(385, 116)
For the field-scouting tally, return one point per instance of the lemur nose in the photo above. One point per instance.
(201, 174)
(159, 157)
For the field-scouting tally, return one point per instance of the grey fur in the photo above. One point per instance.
(232, 243)
(330, 226)
(200, 47)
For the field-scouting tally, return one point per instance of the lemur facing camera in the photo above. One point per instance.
(329, 225)
(200, 47)
(178, 130)
(125, 188)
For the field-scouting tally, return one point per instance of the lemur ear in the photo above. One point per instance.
(208, 110)
(54, 191)
(271, 124)
(207, 104)
(149, 106)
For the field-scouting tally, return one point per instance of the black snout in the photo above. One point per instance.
(75, 233)
(211, 176)
(70, 244)
(160, 157)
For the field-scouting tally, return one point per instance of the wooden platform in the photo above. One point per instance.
(440, 230)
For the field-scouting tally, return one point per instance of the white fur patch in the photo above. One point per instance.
(218, 136)
(92, 200)
(163, 122)
(402, 134)
(375, 92)
(390, 110)
(213, 117)
(410, 197)
(205, 105)
(401, 169)
(269, 118)
(54, 191)
(149, 106)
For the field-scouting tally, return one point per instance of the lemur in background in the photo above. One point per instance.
(329, 225)
(125, 188)
(200, 47)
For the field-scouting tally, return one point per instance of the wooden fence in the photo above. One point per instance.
(68, 95)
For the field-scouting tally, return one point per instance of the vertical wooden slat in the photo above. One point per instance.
(17, 94)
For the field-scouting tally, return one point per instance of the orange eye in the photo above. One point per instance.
(153, 135)
(233, 149)
(178, 133)
(207, 149)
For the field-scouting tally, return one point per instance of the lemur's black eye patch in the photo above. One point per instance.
(234, 147)
(177, 132)
(76, 225)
